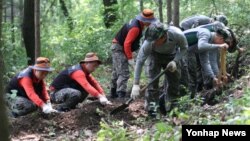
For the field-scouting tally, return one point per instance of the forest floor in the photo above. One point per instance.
(84, 122)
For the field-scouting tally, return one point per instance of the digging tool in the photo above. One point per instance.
(126, 104)
(209, 95)
(223, 73)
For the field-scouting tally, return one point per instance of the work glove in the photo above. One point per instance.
(171, 66)
(48, 103)
(104, 101)
(47, 108)
(131, 62)
(135, 91)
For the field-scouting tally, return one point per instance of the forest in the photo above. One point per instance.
(64, 31)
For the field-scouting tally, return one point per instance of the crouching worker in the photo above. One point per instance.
(74, 84)
(163, 48)
(31, 89)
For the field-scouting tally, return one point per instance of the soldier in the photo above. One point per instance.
(74, 84)
(31, 89)
(203, 50)
(163, 48)
(193, 22)
(233, 41)
(196, 83)
(125, 42)
(198, 20)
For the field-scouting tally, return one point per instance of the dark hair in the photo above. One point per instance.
(233, 42)
(224, 33)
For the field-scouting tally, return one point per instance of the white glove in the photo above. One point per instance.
(131, 62)
(171, 66)
(47, 108)
(49, 103)
(103, 100)
(135, 91)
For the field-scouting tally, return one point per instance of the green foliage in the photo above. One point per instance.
(13, 54)
(113, 132)
(65, 48)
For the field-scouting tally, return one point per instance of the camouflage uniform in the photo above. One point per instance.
(194, 21)
(21, 106)
(201, 44)
(158, 57)
(68, 98)
(155, 63)
(120, 67)
(68, 91)
(188, 23)
(25, 101)
(195, 79)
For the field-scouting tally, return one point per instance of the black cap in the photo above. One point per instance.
(221, 18)
(155, 31)
(224, 33)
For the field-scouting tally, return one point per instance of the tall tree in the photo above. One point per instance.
(141, 5)
(176, 12)
(169, 11)
(37, 28)
(4, 131)
(5, 10)
(109, 12)
(12, 22)
(66, 14)
(160, 10)
(28, 30)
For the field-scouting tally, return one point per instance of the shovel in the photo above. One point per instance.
(126, 104)
(222, 72)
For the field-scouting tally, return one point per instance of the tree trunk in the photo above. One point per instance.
(141, 5)
(169, 11)
(214, 9)
(12, 23)
(160, 11)
(176, 5)
(20, 18)
(4, 129)
(37, 29)
(66, 14)
(5, 11)
(109, 12)
(28, 30)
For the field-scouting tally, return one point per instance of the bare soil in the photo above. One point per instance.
(79, 122)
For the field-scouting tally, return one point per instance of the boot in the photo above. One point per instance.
(152, 110)
(162, 107)
(69, 104)
(121, 94)
(113, 93)
(62, 108)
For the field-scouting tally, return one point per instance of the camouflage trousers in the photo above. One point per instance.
(154, 64)
(20, 106)
(67, 98)
(184, 87)
(184, 71)
(120, 69)
(209, 65)
(195, 81)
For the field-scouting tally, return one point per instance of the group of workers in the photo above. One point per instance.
(188, 54)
